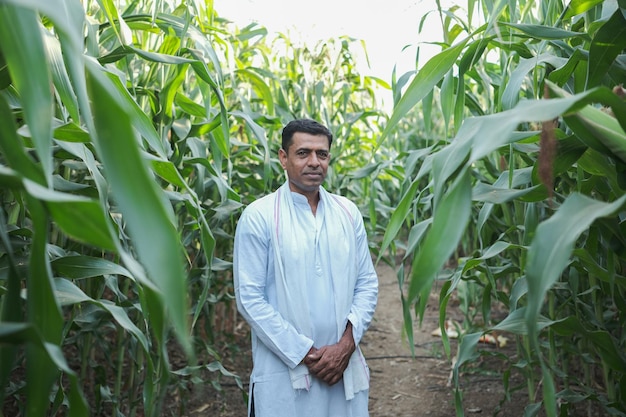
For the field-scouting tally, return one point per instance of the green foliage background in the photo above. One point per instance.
(131, 136)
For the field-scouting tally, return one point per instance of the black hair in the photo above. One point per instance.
(306, 126)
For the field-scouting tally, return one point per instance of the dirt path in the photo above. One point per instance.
(401, 386)
(406, 386)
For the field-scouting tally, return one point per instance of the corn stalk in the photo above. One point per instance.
(524, 198)
(131, 135)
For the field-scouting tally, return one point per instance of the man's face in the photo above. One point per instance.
(306, 162)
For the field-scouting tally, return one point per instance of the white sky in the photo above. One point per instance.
(386, 26)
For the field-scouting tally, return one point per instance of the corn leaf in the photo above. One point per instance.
(141, 203)
(79, 217)
(554, 241)
(82, 266)
(25, 55)
(43, 313)
(608, 42)
(423, 83)
(450, 219)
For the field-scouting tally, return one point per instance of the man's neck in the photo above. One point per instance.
(312, 197)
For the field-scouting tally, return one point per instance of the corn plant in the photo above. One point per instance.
(131, 134)
(525, 194)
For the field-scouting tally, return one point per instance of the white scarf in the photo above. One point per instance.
(292, 299)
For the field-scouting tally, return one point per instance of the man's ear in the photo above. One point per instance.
(282, 157)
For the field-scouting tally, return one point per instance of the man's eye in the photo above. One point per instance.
(322, 154)
(302, 154)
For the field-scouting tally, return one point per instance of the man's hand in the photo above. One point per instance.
(329, 362)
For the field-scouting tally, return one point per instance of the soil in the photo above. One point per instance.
(402, 385)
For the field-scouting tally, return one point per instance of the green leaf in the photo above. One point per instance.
(260, 135)
(399, 216)
(66, 293)
(79, 217)
(188, 106)
(71, 132)
(549, 396)
(166, 170)
(171, 91)
(576, 7)
(485, 134)
(446, 97)
(423, 83)
(416, 234)
(451, 158)
(459, 103)
(60, 76)
(26, 334)
(11, 306)
(515, 323)
(547, 32)
(260, 86)
(83, 153)
(158, 57)
(594, 127)
(467, 351)
(141, 202)
(82, 266)
(494, 249)
(13, 149)
(608, 42)
(427, 109)
(202, 71)
(22, 45)
(603, 342)
(450, 219)
(510, 97)
(117, 22)
(489, 193)
(606, 347)
(121, 317)
(554, 241)
(599, 131)
(141, 121)
(43, 313)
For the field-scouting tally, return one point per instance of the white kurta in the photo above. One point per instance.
(277, 345)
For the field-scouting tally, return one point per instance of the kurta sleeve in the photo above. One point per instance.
(252, 280)
(366, 288)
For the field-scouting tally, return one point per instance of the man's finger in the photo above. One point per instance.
(310, 362)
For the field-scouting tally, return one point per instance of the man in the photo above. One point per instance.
(305, 282)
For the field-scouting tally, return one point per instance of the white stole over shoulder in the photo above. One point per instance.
(292, 299)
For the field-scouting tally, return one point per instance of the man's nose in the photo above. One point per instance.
(313, 159)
